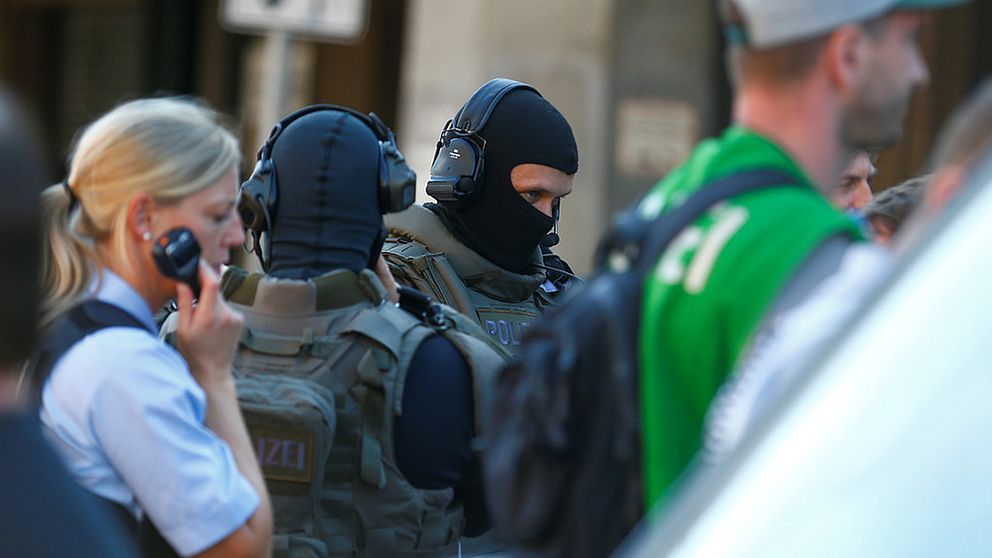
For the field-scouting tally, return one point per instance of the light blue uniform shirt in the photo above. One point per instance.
(123, 411)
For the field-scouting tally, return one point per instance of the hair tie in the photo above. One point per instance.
(73, 200)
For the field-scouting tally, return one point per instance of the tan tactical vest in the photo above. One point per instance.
(320, 376)
(423, 254)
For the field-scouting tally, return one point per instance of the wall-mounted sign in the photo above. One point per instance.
(324, 20)
(654, 135)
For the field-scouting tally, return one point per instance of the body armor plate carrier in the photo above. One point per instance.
(320, 374)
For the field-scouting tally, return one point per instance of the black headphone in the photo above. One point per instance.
(259, 194)
(456, 173)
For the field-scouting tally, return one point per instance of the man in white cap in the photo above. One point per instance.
(815, 81)
(783, 350)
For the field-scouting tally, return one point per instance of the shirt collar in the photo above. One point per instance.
(115, 290)
(742, 141)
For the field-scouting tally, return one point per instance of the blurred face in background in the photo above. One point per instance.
(854, 190)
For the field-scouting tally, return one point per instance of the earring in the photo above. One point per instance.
(146, 236)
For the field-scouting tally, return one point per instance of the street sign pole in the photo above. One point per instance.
(280, 22)
(335, 21)
(275, 83)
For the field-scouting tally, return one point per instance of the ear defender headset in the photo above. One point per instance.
(259, 194)
(459, 159)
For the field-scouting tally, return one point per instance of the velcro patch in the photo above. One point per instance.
(505, 325)
(284, 454)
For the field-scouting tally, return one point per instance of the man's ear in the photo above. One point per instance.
(139, 215)
(846, 56)
(883, 233)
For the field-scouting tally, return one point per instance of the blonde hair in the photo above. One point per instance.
(168, 148)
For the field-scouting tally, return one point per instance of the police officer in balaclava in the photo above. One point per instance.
(374, 405)
(327, 215)
(502, 167)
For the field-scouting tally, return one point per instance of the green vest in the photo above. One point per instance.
(320, 374)
(423, 254)
(708, 292)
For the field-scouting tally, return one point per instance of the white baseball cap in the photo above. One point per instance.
(768, 23)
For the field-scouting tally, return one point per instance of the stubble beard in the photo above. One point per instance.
(870, 126)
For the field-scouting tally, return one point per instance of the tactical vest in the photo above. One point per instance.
(320, 374)
(423, 254)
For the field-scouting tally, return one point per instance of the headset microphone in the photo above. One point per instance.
(552, 238)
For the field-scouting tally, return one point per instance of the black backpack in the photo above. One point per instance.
(562, 454)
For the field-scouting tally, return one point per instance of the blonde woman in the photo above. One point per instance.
(155, 432)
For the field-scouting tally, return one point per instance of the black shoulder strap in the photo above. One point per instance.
(83, 319)
(669, 224)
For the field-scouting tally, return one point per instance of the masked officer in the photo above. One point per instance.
(362, 413)
(502, 166)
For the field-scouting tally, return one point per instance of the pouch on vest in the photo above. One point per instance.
(297, 546)
(291, 422)
(433, 275)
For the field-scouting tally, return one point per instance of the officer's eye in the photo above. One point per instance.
(532, 196)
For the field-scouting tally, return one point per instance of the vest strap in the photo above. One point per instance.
(386, 328)
(456, 290)
(340, 290)
(372, 368)
(239, 286)
(371, 470)
(81, 320)
(434, 533)
(286, 345)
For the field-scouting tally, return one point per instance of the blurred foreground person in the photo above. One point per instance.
(815, 82)
(604, 406)
(888, 211)
(155, 432)
(502, 166)
(43, 513)
(362, 412)
(802, 333)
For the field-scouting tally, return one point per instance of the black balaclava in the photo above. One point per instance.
(327, 211)
(501, 225)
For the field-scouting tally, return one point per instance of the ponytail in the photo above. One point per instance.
(67, 264)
